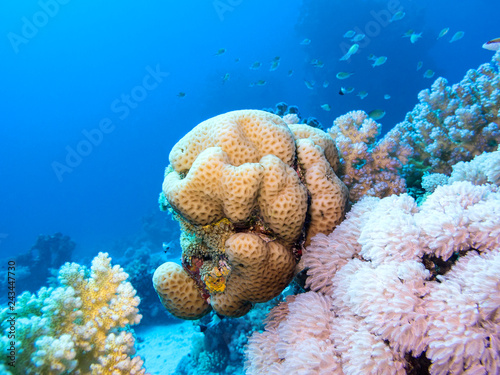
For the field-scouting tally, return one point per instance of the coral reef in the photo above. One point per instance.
(291, 115)
(48, 253)
(248, 192)
(396, 288)
(81, 326)
(452, 123)
(369, 168)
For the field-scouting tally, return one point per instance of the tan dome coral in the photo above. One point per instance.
(247, 191)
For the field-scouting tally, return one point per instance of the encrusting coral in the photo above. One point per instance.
(79, 327)
(396, 288)
(248, 191)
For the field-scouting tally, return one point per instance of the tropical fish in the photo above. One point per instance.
(349, 34)
(309, 84)
(326, 84)
(415, 36)
(277, 58)
(371, 56)
(181, 94)
(352, 50)
(290, 73)
(305, 42)
(457, 36)
(379, 61)
(443, 32)
(274, 65)
(221, 51)
(237, 59)
(408, 33)
(344, 90)
(226, 77)
(420, 64)
(492, 45)
(167, 246)
(260, 82)
(326, 107)
(317, 63)
(362, 94)
(387, 96)
(358, 38)
(397, 16)
(428, 73)
(344, 75)
(376, 114)
(256, 65)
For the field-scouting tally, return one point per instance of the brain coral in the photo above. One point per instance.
(248, 191)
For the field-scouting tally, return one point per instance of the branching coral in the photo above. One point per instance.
(369, 168)
(450, 124)
(248, 191)
(394, 288)
(79, 326)
(453, 123)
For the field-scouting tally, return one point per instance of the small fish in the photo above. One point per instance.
(260, 82)
(256, 65)
(352, 50)
(457, 36)
(420, 64)
(290, 73)
(408, 33)
(344, 90)
(379, 61)
(443, 32)
(220, 52)
(362, 94)
(326, 84)
(226, 77)
(358, 38)
(415, 36)
(274, 65)
(326, 107)
(317, 63)
(387, 96)
(397, 16)
(372, 57)
(376, 114)
(237, 59)
(181, 94)
(349, 34)
(305, 42)
(343, 75)
(428, 73)
(492, 45)
(167, 246)
(277, 58)
(309, 84)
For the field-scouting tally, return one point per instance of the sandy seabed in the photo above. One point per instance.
(162, 347)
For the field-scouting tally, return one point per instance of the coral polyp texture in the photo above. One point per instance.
(78, 327)
(248, 191)
(452, 123)
(396, 288)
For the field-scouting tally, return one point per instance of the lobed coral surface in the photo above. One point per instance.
(248, 190)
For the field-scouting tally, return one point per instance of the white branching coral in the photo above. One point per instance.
(393, 284)
(79, 326)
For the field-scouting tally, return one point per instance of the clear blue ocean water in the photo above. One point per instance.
(91, 103)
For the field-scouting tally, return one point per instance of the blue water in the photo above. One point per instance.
(89, 105)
